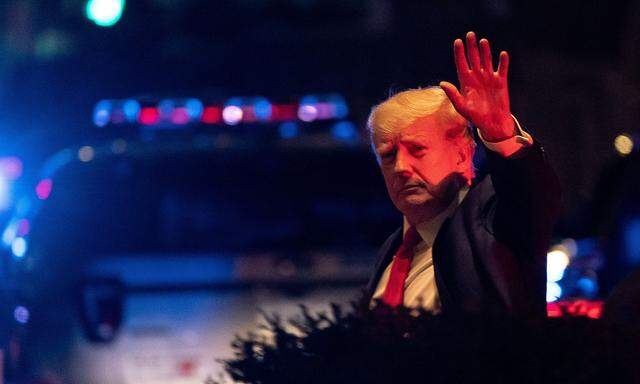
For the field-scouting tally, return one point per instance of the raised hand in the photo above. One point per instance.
(483, 98)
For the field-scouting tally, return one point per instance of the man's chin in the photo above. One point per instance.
(414, 200)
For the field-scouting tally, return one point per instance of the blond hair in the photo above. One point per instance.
(404, 108)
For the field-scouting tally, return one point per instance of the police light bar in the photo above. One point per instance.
(176, 113)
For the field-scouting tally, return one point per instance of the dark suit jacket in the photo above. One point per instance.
(490, 255)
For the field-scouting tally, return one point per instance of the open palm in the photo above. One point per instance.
(483, 98)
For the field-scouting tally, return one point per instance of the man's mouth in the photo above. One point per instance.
(410, 188)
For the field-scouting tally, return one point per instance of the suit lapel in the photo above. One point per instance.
(437, 255)
(385, 254)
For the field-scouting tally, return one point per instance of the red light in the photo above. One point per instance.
(595, 311)
(180, 116)
(554, 310)
(284, 112)
(591, 309)
(149, 116)
(212, 115)
(43, 189)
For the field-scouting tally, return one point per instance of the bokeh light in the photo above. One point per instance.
(232, 114)
(345, 131)
(194, 108)
(557, 262)
(105, 13)
(211, 115)
(131, 110)
(9, 233)
(102, 113)
(21, 314)
(623, 144)
(19, 247)
(10, 167)
(149, 116)
(43, 189)
(288, 130)
(588, 286)
(307, 112)
(554, 291)
(86, 153)
(262, 109)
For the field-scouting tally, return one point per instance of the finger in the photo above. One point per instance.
(472, 52)
(503, 66)
(454, 95)
(461, 61)
(485, 55)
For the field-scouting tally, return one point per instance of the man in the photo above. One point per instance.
(463, 247)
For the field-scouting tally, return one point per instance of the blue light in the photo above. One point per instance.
(21, 314)
(165, 107)
(344, 131)
(194, 108)
(19, 247)
(131, 110)
(587, 285)
(102, 113)
(341, 108)
(105, 13)
(554, 291)
(262, 109)
(632, 241)
(288, 130)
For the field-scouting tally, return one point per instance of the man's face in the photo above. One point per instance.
(419, 165)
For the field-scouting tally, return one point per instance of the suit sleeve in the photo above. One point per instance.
(527, 200)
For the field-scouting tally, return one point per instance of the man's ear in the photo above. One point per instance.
(461, 158)
(463, 162)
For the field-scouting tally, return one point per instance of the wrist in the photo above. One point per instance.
(503, 131)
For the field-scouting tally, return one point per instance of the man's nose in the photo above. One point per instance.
(402, 165)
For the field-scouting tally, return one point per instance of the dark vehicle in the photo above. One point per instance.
(138, 261)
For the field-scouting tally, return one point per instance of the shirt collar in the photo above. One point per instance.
(429, 229)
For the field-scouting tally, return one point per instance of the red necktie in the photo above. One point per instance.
(394, 292)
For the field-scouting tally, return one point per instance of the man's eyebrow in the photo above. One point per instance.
(384, 147)
(417, 138)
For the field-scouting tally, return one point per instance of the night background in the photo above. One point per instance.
(193, 219)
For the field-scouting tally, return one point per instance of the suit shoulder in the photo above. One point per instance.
(481, 193)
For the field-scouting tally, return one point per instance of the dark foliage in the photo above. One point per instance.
(403, 346)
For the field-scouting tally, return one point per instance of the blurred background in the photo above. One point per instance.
(169, 168)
